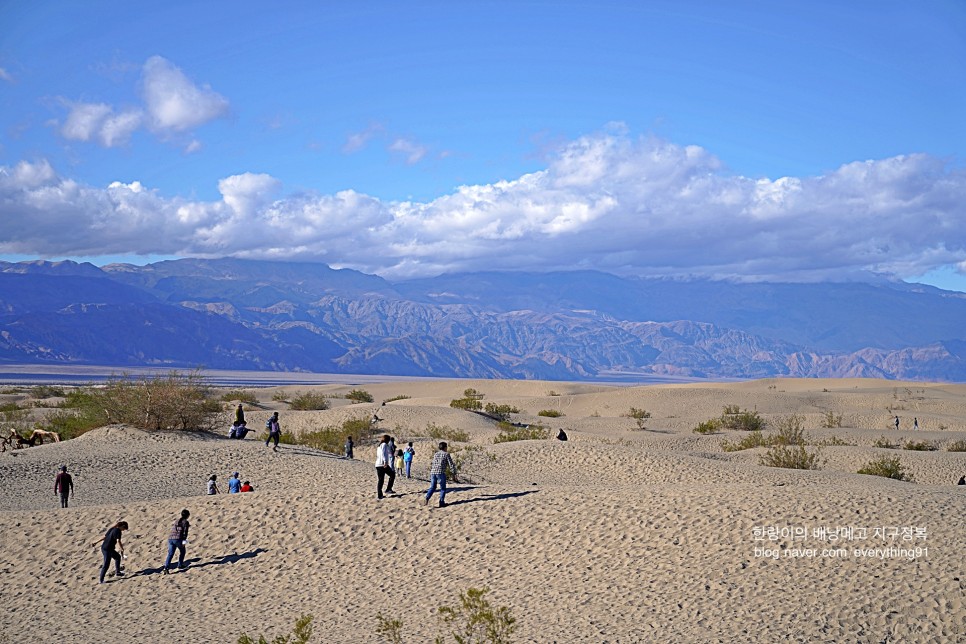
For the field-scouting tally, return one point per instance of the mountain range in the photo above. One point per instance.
(586, 325)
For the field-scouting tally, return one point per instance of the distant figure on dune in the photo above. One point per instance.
(234, 484)
(897, 422)
(177, 539)
(274, 431)
(109, 548)
(962, 480)
(348, 447)
(561, 435)
(408, 459)
(247, 487)
(915, 423)
(384, 466)
(213, 484)
(63, 485)
(442, 461)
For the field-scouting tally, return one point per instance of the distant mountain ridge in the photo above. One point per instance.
(259, 315)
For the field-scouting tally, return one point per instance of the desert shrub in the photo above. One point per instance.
(469, 392)
(309, 401)
(708, 427)
(241, 395)
(888, 467)
(389, 630)
(550, 413)
(751, 441)
(501, 411)
(172, 400)
(469, 457)
(552, 393)
(884, 443)
(299, 635)
(279, 396)
(793, 456)
(958, 446)
(399, 397)
(10, 407)
(731, 410)
(13, 417)
(475, 621)
(359, 396)
(47, 391)
(921, 446)
(834, 441)
(71, 424)
(748, 421)
(831, 420)
(446, 433)
(467, 403)
(509, 433)
(639, 415)
(791, 430)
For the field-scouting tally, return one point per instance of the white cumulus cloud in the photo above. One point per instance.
(608, 201)
(173, 101)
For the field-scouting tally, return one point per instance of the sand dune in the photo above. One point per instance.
(617, 535)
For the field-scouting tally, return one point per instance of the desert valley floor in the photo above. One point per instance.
(617, 535)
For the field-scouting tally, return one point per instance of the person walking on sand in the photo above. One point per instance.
(408, 459)
(897, 422)
(213, 484)
(442, 460)
(915, 423)
(274, 431)
(384, 466)
(63, 485)
(348, 447)
(109, 548)
(177, 539)
(234, 484)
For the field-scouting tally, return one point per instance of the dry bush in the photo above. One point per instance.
(958, 446)
(172, 400)
(921, 446)
(831, 420)
(241, 395)
(639, 415)
(509, 433)
(884, 443)
(359, 396)
(309, 401)
(550, 413)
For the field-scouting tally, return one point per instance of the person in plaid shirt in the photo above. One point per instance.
(177, 539)
(437, 474)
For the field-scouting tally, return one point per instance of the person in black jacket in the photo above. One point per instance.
(109, 548)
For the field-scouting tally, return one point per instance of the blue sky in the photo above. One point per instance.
(744, 140)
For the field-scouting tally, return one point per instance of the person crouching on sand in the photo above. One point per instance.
(109, 548)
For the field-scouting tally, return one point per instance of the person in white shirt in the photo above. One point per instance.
(384, 466)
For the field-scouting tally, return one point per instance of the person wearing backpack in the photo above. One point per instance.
(274, 431)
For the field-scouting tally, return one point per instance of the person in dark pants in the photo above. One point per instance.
(274, 431)
(177, 539)
(63, 485)
(384, 466)
(109, 548)
(442, 461)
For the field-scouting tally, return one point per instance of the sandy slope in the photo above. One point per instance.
(617, 535)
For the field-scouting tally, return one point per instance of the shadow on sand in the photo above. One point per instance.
(193, 562)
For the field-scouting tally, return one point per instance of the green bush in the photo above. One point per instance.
(831, 420)
(359, 396)
(399, 397)
(888, 467)
(509, 433)
(791, 430)
(71, 424)
(47, 391)
(501, 411)
(958, 446)
(748, 421)
(475, 621)
(884, 443)
(549, 413)
(309, 401)
(469, 404)
(751, 441)
(640, 415)
(793, 456)
(332, 438)
(708, 427)
(300, 634)
(445, 433)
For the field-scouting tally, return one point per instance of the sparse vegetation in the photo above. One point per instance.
(389, 630)
(639, 415)
(467, 403)
(172, 400)
(708, 427)
(475, 621)
(920, 446)
(299, 635)
(550, 413)
(509, 433)
(332, 438)
(744, 420)
(395, 398)
(359, 396)
(309, 401)
(751, 441)
(501, 411)
(888, 467)
(884, 443)
(47, 391)
(444, 433)
(834, 441)
(279, 396)
(788, 447)
(958, 446)
(246, 396)
(831, 420)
